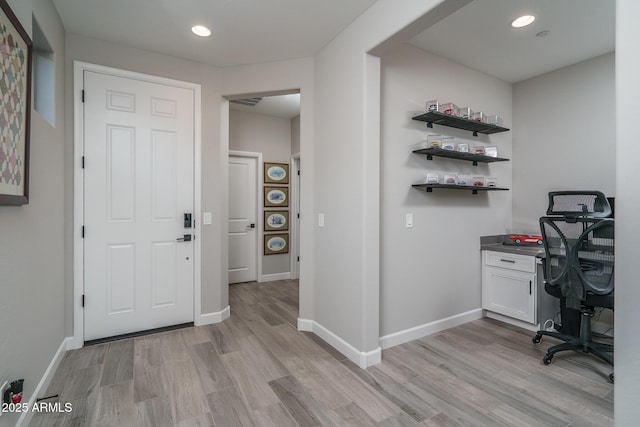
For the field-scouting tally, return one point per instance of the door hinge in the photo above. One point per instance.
(298, 259)
(82, 162)
(298, 215)
(83, 231)
(298, 172)
(83, 300)
(82, 95)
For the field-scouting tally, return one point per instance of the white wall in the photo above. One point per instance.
(32, 263)
(433, 270)
(563, 136)
(627, 314)
(295, 135)
(270, 136)
(347, 148)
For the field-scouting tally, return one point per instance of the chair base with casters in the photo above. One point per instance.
(584, 342)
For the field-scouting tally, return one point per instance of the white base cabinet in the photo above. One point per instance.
(510, 289)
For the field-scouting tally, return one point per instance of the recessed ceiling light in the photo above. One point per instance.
(523, 21)
(201, 30)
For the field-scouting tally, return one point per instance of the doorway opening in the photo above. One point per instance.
(263, 192)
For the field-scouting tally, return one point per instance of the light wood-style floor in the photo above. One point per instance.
(257, 369)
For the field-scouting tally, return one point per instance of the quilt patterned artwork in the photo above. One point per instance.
(13, 71)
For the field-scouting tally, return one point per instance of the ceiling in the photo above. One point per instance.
(244, 31)
(283, 106)
(480, 36)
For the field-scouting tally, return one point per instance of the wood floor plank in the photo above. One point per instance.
(153, 412)
(148, 383)
(204, 420)
(118, 362)
(302, 407)
(273, 416)
(376, 405)
(183, 390)
(351, 415)
(325, 346)
(172, 346)
(443, 420)
(86, 380)
(249, 380)
(223, 340)
(395, 392)
(194, 335)
(114, 406)
(228, 408)
(146, 353)
(262, 358)
(323, 391)
(399, 420)
(211, 370)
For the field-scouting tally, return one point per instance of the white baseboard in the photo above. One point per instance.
(414, 333)
(362, 359)
(42, 386)
(216, 317)
(274, 277)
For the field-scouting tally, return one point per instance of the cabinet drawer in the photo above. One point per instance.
(511, 261)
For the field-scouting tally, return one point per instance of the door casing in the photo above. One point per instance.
(78, 194)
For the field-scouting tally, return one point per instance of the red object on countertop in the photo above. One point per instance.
(521, 238)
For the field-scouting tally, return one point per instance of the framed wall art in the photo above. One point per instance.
(276, 173)
(276, 197)
(15, 108)
(276, 244)
(276, 220)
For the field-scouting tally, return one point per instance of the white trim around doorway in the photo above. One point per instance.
(79, 68)
(295, 210)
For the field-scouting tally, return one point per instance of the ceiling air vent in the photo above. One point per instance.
(251, 102)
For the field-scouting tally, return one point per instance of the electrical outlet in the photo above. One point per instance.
(2, 389)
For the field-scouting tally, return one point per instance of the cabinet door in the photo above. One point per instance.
(509, 292)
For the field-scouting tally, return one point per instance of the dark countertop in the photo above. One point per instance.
(494, 243)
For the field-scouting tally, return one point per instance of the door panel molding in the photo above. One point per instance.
(79, 69)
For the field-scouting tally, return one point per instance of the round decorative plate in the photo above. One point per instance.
(276, 244)
(276, 220)
(277, 197)
(276, 173)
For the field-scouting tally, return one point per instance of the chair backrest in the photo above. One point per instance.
(579, 245)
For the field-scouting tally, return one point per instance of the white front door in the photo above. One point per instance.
(138, 186)
(242, 219)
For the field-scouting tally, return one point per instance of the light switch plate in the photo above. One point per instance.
(408, 220)
(206, 218)
(320, 220)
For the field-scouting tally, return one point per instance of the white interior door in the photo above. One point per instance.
(138, 184)
(243, 209)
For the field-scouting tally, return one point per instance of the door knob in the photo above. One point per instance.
(185, 238)
(251, 226)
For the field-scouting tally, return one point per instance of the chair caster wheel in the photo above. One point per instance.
(547, 359)
(536, 339)
(611, 377)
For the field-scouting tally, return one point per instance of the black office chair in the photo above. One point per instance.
(578, 265)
